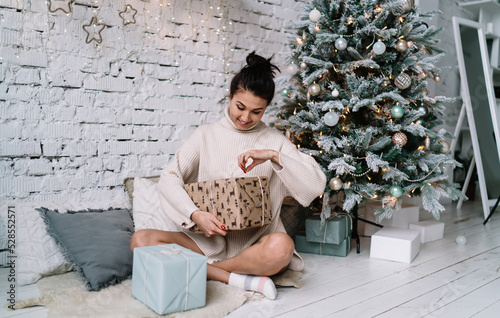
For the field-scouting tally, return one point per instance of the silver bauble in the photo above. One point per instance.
(402, 7)
(336, 184)
(341, 44)
(401, 46)
(446, 147)
(402, 81)
(331, 119)
(399, 139)
(314, 89)
(292, 69)
(303, 65)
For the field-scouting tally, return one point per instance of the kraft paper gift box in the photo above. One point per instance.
(304, 246)
(429, 230)
(395, 244)
(400, 218)
(239, 203)
(335, 230)
(169, 278)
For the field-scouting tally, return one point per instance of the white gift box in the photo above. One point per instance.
(429, 230)
(400, 218)
(395, 244)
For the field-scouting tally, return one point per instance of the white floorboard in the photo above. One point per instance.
(444, 280)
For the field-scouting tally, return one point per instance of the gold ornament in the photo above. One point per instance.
(402, 7)
(314, 89)
(399, 139)
(437, 78)
(402, 81)
(303, 65)
(401, 45)
(446, 146)
(336, 184)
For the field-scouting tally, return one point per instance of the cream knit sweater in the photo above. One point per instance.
(211, 153)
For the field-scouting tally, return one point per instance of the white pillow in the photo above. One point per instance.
(147, 210)
(37, 253)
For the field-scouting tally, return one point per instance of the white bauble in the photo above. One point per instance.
(314, 89)
(331, 119)
(292, 69)
(314, 15)
(335, 92)
(341, 44)
(379, 47)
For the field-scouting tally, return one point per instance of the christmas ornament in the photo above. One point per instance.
(423, 109)
(397, 111)
(437, 78)
(401, 45)
(399, 139)
(396, 191)
(403, 6)
(128, 15)
(427, 142)
(284, 92)
(93, 30)
(331, 119)
(341, 44)
(336, 184)
(64, 6)
(292, 69)
(379, 47)
(335, 92)
(278, 124)
(314, 15)
(350, 20)
(461, 240)
(420, 121)
(303, 65)
(446, 146)
(402, 81)
(314, 89)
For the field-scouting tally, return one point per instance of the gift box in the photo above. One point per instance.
(169, 278)
(395, 244)
(334, 231)
(304, 246)
(239, 203)
(400, 218)
(429, 230)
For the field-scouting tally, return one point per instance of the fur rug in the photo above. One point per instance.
(65, 296)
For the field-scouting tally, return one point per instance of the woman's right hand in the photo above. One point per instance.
(208, 223)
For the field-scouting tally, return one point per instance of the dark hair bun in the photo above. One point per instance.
(262, 64)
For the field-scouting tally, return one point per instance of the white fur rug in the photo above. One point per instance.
(65, 296)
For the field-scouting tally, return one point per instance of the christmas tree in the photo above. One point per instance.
(356, 100)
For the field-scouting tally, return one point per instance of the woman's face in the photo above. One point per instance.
(246, 109)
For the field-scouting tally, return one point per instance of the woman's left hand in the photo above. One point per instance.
(258, 156)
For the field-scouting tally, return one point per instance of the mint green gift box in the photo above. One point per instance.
(334, 231)
(169, 278)
(304, 246)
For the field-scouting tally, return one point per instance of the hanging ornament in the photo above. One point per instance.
(64, 6)
(402, 81)
(331, 119)
(303, 65)
(396, 191)
(314, 15)
(284, 92)
(93, 30)
(437, 78)
(427, 142)
(420, 121)
(341, 44)
(379, 47)
(292, 69)
(335, 92)
(401, 45)
(397, 111)
(399, 139)
(128, 15)
(350, 20)
(336, 184)
(423, 109)
(402, 7)
(314, 89)
(446, 146)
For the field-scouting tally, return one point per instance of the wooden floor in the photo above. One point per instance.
(444, 280)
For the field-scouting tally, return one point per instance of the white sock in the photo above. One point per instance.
(260, 284)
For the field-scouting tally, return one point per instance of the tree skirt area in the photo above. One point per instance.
(66, 296)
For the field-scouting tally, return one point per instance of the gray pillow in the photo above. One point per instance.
(97, 242)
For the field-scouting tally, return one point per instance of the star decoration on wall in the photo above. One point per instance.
(93, 30)
(128, 15)
(64, 6)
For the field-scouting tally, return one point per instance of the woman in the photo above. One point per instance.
(238, 145)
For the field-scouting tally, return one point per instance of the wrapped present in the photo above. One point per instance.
(429, 230)
(395, 244)
(400, 218)
(239, 203)
(304, 246)
(335, 229)
(169, 278)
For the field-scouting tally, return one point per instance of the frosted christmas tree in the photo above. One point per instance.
(356, 100)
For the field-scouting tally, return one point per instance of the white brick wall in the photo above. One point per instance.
(77, 118)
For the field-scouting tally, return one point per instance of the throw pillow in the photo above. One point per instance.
(97, 242)
(147, 210)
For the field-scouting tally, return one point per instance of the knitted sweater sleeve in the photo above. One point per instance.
(183, 169)
(301, 174)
